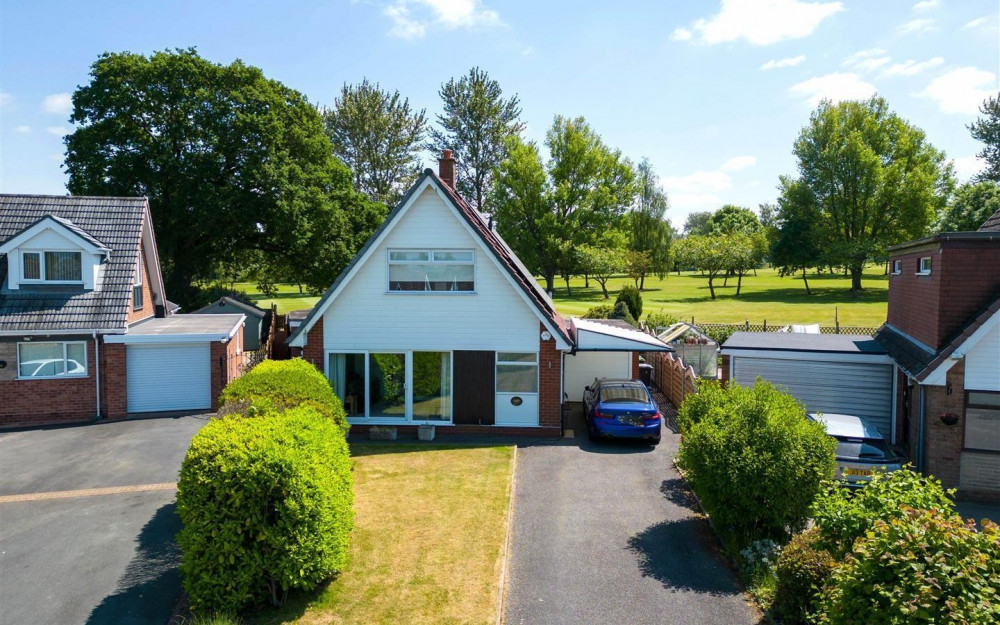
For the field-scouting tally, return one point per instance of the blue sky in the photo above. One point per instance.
(714, 93)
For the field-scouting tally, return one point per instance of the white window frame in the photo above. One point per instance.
(430, 260)
(137, 284)
(536, 364)
(921, 270)
(41, 267)
(86, 365)
(970, 403)
(897, 267)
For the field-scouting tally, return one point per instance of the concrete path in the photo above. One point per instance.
(604, 534)
(87, 522)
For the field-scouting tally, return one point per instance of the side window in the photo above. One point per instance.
(137, 285)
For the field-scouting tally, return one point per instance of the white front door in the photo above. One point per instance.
(163, 378)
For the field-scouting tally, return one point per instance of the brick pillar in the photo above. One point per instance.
(313, 351)
(635, 365)
(218, 365)
(549, 383)
(725, 370)
(943, 443)
(114, 381)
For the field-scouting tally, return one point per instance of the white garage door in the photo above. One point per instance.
(836, 387)
(581, 369)
(169, 377)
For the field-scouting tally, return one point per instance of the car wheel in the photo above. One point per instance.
(592, 432)
(654, 441)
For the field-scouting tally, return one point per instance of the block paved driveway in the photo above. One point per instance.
(604, 534)
(87, 521)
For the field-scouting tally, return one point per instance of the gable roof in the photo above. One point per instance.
(115, 223)
(502, 253)
(992, 224)
(243, 307)
(65, 226)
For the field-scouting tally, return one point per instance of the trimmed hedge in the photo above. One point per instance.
(802, 570)
(266, 505)
(274, 385)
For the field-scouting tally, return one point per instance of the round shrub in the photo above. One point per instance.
(275, 385)
(921, 567)
(803, 568)
(660, 320)
(632, 298)
(622, 312)
(602, 311)
(266, 506)
(843, 516)
(756, 462)
(710, 399)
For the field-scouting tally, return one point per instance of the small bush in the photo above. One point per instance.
(843, 516)
(660, 320)
(599, 312)
(719, 334)
(756, 564)
(923, 567)
(274, 385)
(266, 507)
(755, 461)
(803, 568)
(710, 399)
(632, 298)
(622, 312)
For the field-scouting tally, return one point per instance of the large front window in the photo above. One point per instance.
(51, 360)
(517, 372)
(432, 271)
(982, 421)
(431, 386)
(52, 266)
(393, 386)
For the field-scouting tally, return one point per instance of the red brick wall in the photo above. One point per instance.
(725, 369)
(148, 308)
(227, 361)
(635, 365)
(30, 402)
(313, 351)
(550, 383)
(943, 443)
(114, 381)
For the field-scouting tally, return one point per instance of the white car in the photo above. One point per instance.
(861, 448)
(51, 367)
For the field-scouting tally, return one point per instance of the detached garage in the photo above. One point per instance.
(832, 373)
(180, 362)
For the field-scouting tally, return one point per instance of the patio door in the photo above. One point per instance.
(390, 386)
(387, 385)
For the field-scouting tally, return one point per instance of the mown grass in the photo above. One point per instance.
(779, 300)
(426, 547)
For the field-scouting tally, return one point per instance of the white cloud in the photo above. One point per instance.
(979, 21)
(23, 129)
(911, 67)
(760, 22)
(860, 55)
(739, 162)
(58, 131)
(58, 103)
(926, 5)
(527, 50)
(791, 61)
(697, 182)
(920, 25)
(872, 64)
(836, 86)
(6, 99)
(689, 202)
(968, 166)
(961, 90)
(412, 18)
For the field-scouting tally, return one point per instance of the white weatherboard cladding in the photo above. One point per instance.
(580, 369)
(982, 363)
(364, 316)
(853, 388)
(168, 377)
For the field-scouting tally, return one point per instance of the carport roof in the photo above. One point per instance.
(181, 329)
(612, 335)
(787, 341)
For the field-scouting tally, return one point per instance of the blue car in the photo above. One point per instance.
(621, 409)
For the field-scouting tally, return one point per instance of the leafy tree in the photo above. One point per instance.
(747, 252)
(379, 137)
(796, 244)
(632, 298)
(874, 178)
(767, 214)
(987, 130)
(232, 163)
(601, 263)
(730, 219)
(697, 222)
(476, 124)
(637, 265)
(970, 205)
(713, 255)
(650, 233)
(547, 211)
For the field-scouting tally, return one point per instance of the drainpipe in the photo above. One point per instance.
(97, 372)
(922, 410)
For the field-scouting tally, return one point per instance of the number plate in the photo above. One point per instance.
(859, 472)
(630, 420)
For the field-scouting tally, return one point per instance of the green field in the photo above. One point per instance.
(766, 296)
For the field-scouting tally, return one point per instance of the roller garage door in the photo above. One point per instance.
(581, 368)
(166, 377)
(836, 387)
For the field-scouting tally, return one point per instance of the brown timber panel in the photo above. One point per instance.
(475, 396)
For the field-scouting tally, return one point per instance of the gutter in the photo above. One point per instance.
(97, 372)
(921, 420)
(80, 332)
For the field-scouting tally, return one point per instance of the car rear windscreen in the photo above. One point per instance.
(624, 394)
(864, 449)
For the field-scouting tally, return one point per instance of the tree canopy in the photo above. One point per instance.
(650, 233)
(233, 164)
(379, 137)
(970, 205)
(797, 243)
(697, 222)
(731, 219)
(987, 130)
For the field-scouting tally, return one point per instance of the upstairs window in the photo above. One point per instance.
(448, 271)
(897, 267)
(137, 286)
(52, 266)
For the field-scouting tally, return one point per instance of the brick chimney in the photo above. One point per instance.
(446, 168)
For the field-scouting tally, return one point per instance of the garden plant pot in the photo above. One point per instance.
(425, 432)
(382, 433)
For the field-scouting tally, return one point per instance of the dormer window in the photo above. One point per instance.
(447, 271)
(924, 268)
(897, 267)
(55, 267)
(137, 285)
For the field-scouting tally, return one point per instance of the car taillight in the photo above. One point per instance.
(652, 417)
(603, 415)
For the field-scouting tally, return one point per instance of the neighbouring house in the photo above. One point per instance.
(436, 321)
(255, 327)
(85, 327)
(943, 331)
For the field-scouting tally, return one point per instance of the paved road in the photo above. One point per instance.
(107, 558)
(604, 534)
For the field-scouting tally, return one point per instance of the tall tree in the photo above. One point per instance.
(987, 130)
(712, 255)
(379, 137)
(970, 205)
(874, 178)
(476, 124)
(601, 263)
(546, 211)
(797, 238)
(697, 222)
(232, 163)
(731, 219)
(768, 214)
(649, 238)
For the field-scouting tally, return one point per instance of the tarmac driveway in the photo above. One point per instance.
(605, 533)
(87, 521)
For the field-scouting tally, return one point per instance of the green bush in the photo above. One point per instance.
(599, 312)
(710, 399)
(719, 334)
(266, 505)
(803, 568)
(755, 461)
(660, 320)
(843, 516)
(622, 312)
(274, 385)
(632, 298)
(924, 566)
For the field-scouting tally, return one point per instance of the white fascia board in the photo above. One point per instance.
(88, 332)
(48, 223)
(876, 359)
(146, 339)
(938, 376)
(152, 258)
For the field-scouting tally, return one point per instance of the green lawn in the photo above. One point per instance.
(765, 296)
